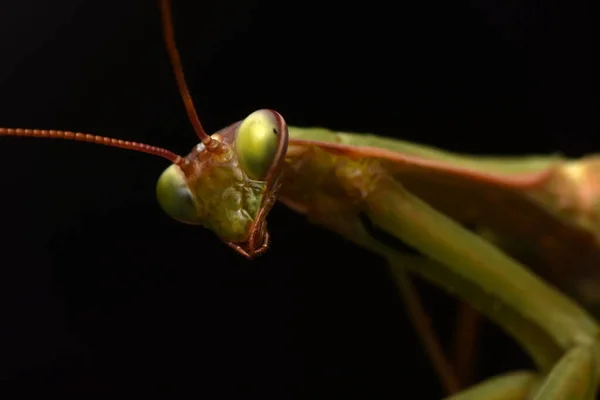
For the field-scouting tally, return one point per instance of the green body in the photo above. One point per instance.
(536, 208)
(338, 190)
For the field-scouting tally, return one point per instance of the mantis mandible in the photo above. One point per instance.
(360, 177)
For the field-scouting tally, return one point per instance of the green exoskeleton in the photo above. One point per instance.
(354, 183)
(229, 184)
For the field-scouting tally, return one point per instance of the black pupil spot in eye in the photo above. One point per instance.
(275, 131)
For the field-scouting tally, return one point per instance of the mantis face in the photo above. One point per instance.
(230, 191)
(228, 183)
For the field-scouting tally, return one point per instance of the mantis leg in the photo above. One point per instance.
(545, 322)
(575, 376)
(465, 346)
(571, 378)
(511, 386)
(426, 333)
(468, 324)
(542, 320)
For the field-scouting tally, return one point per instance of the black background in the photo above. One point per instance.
(101, 292)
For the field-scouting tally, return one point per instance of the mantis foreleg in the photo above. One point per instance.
(531, 306)
(510, 386)
(546, 323)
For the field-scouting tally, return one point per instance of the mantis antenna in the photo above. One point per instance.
(210, 143)
(85, 137)
(169, 35)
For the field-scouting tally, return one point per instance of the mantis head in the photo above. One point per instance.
(230, 185)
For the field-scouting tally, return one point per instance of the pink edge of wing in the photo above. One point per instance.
(517, 180)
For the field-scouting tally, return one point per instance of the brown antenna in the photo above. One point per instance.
(167, 22)
(84, 137)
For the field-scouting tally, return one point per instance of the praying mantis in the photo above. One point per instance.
(365, 192)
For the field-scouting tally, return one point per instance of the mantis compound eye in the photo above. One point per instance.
(257, 143)
(175, 197)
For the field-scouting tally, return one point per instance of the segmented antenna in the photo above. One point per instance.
(106, 141)
(169, 35)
